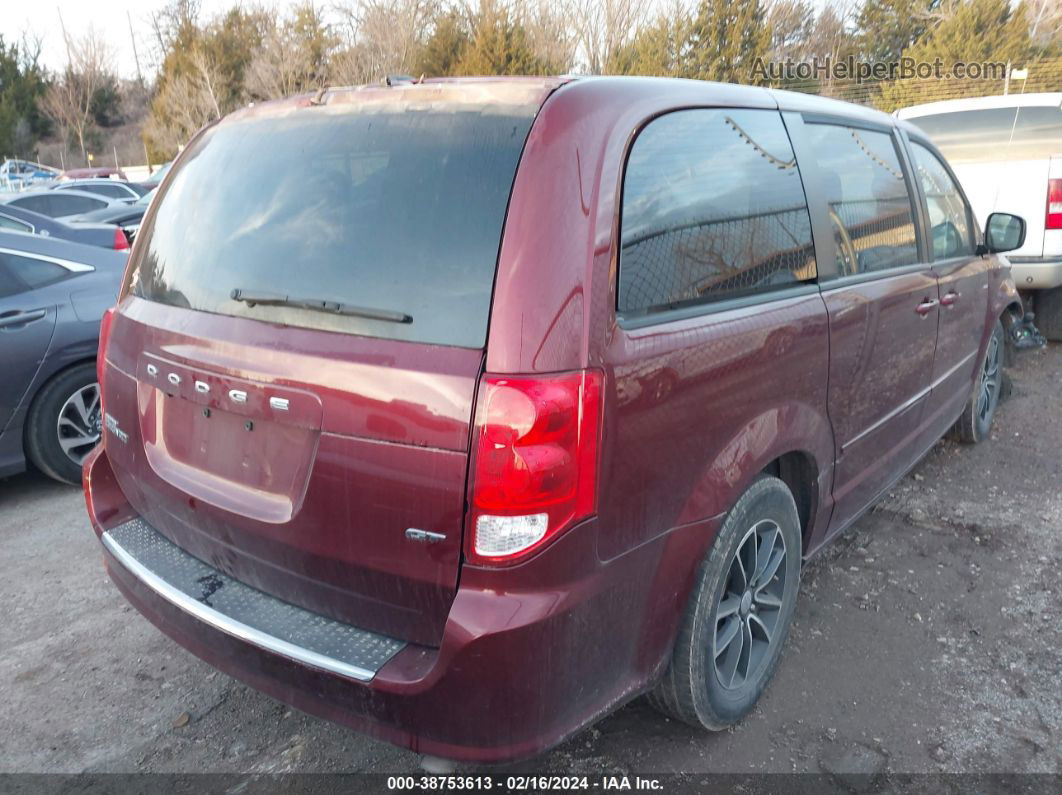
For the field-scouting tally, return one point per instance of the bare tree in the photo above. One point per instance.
(791, 23)
(382, 37)
(293, 56)
(549, 33)
(603, 26)
(68, 101)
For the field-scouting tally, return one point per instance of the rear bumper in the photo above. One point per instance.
(1036, 273)
(519, 669)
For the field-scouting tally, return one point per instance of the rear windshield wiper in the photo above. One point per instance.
(250, 297)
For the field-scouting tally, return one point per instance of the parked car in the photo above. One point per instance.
(155, 179)
(107, 235)
(365, 448)
(98, 172)
(110, 188)
(127, 217)
(16, 175)
(53, 294)
(59, 204)
(1007, 152)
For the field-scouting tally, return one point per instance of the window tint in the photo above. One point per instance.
(949, 220)
(105, 189)
(11, 223)
(65, 204)
(995, 134)
(713, 208)
(870, 208)
(373, 205)
(40, 203)
(19, 274)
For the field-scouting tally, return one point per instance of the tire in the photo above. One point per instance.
(1049, 313)
(64, 423)
(975, 422)
(698, 686)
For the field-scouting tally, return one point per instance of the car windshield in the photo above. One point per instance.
(145, 200)
(372, 205)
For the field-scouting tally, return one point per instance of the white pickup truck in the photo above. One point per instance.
(1007, 152)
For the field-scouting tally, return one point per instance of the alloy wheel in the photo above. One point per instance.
(989, 384)
(80, 423)
(748, 616)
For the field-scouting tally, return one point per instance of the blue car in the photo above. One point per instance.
(53, 294)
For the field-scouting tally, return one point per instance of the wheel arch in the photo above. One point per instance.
(798, 470)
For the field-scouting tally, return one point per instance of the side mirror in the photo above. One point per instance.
(1004, 232)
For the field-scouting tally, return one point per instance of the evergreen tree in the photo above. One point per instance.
(886, 28)
(655, 51)
(724, 41)
(973, 31)
(499, 46)
(445, 47)
(21, 87)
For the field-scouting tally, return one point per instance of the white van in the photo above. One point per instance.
(1007, 152)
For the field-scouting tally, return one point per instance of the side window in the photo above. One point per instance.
(870, 207)
(71, 205)
(949, 219)
(713, 208)
(38, 204)
(7, 222)
(110, 190)
(20, 274)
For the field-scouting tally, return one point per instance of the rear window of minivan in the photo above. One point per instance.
(1031, 132)
(385, 207)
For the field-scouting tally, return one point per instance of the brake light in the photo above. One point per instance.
(1054, 204)
(105, 336)
(536, 456)
(121, 242)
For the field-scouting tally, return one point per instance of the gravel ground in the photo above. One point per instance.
(927, 639)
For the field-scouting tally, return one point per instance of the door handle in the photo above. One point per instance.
(927, 306)
(949, 298)
(21, 318)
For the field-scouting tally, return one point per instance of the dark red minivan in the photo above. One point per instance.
(463, 412)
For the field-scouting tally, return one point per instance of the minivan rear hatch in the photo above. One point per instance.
(290, 375)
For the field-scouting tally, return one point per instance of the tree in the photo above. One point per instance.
(658, 49)
(21, 88)
(886, 28)
(604, 27)
(499, 46)
(383, 37)
(69, 99)
(445, 46)
(203, 74)
(970, 31)
(725, 39)
(549, 33)
(792, 23)
(293, 56)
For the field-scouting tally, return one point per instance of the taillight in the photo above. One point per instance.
(121, 242)
(1054, 204)
(535, 469)
(105, 335)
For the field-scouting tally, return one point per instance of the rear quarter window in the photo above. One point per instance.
(390, 208)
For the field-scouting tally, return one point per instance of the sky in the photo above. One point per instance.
(107, 16)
